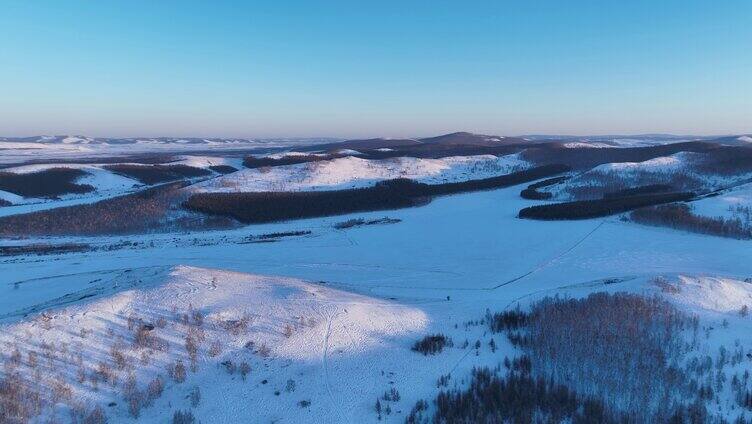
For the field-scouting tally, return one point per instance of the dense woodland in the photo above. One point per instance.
(262, 162)
(640, 190)
(532, 193)
(139, 212)
(223, 169)
(585, 209)
(154, 174)
(606, 358)
(393, 194)
(49, 183)
(680, 216)
(727, 160)
(586, 158)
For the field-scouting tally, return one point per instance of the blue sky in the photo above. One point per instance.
(381, 68)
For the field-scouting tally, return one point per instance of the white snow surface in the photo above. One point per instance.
(300, 323)
(582, 144)
(198, 161)
(664, 164)
(724, 204)
(710, 293)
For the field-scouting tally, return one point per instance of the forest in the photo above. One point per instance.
(50, 183)
(258, 207)
(585, 209)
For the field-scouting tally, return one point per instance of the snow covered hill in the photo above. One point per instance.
(354, 172)
(255, 348)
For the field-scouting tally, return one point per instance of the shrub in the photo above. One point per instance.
(508, 320)
(392, 395)
(183, 417)
(178, 371)
(95, 416)
(432, 344)
(144, 336)
(244, 369)
(154, 389)
(215, 348)
(358, 222)
(223, 169)
(268, 236)
(230, 366)
(195, 396)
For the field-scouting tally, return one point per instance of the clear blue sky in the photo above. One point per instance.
(356, 68)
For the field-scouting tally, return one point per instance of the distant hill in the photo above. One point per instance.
(470, 139)
(452, 139)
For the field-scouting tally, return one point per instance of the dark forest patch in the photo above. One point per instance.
(262, 162)
(636, 191)
(360, 222)
(223, 169)
(679, 216)
(43, 249)
(584, 209)
(584, 158)
(532, 193)
(49, 183)
(133, 213)
(154, 174)
(432, 344)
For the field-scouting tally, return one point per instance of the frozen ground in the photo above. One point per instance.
(339, 309)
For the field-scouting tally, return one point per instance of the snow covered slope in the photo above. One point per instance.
(278, 331)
